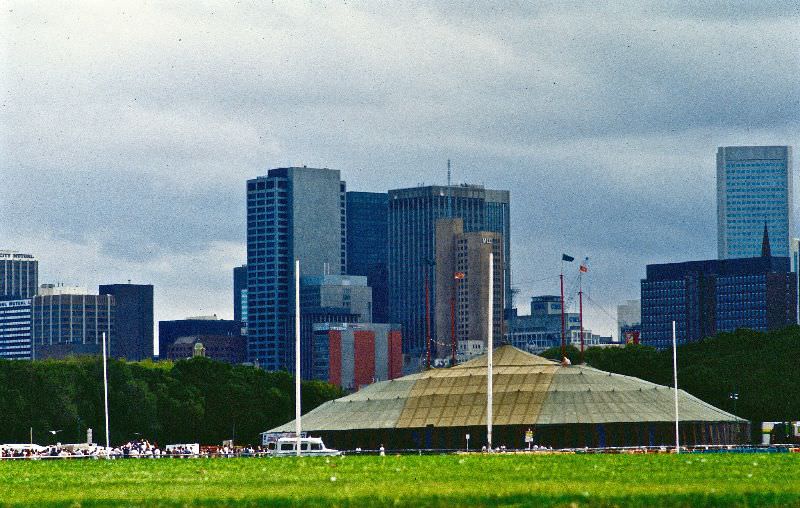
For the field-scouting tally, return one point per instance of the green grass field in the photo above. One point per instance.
(442, 480)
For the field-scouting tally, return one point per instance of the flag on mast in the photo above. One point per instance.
(564, 257)
(584, 266)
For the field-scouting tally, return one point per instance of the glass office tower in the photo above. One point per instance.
(754, 187)
(413, 214)
(367, 246)
(240, 294)
(292, 213)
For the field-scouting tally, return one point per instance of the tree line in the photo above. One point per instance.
(188, 401)
(751, 374)
(754, 375)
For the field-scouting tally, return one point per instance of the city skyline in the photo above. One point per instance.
(604, 130)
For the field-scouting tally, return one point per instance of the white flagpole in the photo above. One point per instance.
(675, 378)
(297, 424)
(489, 361)
(105, 390)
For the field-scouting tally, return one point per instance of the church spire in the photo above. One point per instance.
(765, 250)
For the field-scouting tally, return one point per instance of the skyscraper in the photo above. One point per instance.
(19, 274)
(462, 286)
(240, 294)
(133, 320)
(292, 213)
(367, 246)
(754, 188)
(413, 214)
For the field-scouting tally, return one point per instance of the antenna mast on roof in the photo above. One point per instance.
(449, 193)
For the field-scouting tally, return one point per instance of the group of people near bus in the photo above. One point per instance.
(132, 449)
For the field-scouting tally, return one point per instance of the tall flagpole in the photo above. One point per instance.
(297, 424)
(580, 300)
(563, 322)
(489, 361)
(675, 378)
(105, 391)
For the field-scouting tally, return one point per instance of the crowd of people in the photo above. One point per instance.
(132, 449)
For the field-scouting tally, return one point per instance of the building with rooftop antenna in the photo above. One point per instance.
(413, 213)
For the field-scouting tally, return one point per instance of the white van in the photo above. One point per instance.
(309, 446)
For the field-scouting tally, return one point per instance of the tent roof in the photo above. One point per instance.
(528, 390)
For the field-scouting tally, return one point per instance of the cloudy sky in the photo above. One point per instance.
(128, 130)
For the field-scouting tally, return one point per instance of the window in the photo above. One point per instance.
(287, 446)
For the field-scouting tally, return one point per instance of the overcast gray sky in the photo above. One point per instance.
(128, 129)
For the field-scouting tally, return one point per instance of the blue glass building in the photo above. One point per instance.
(133, 320)
(413, 214)
(754, 187)
(15, 328)
(240, 294)
(368, 246)
(292, 213)
(708, 297)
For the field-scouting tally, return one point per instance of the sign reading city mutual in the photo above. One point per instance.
(16, 255)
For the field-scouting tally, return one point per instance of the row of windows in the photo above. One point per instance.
(267, 183)
(769, 164)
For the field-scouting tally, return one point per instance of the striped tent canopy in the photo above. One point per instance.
(528, 390)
